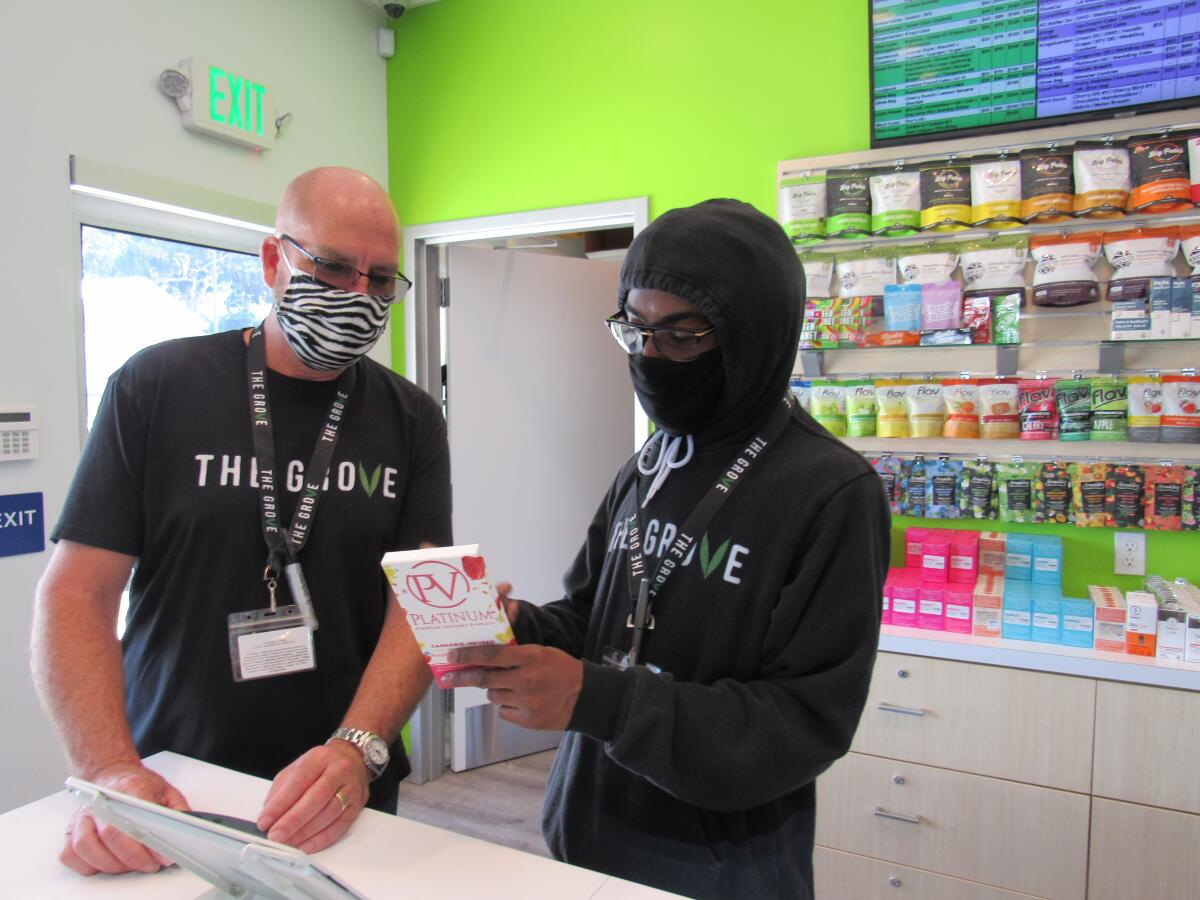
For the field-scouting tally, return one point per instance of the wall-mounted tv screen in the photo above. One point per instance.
(959, 67)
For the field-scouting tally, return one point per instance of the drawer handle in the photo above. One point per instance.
(884, 814)
(902, 710)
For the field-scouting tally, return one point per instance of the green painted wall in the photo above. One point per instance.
(498, 106)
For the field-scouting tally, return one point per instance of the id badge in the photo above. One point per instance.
(264, 643)
(619, 659)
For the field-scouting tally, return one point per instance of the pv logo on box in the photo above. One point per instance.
(21, 528)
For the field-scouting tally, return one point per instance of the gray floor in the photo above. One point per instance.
(500, 803)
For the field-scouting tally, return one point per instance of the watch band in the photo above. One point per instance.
(373, 748)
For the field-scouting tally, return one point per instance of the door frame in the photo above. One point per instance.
(424, 252)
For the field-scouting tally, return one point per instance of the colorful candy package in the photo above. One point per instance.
(995, 191)
(998, 408)
(847, 203)
(1145, 409)
(941, 305)
(976, 490)
(888, 468)
(1073, 396)
(926, 409)
(1101, 179)
(828, 406)
(891, 402)
(902, 307)
(1159, 174)
(1047, 185)
(1089, 490)
(801, 389)
(945, 196)
(913, 487)
(1054, 494)
(942, 477)
(1006, 317)
(1110, 404)
(1037, 409)
(895, 201)
(1016, 486)
(1164, 497)
(860, 408)
(802, 207)
(962, 407)
(1190, 506)
(1125, 490)
(1181, 408)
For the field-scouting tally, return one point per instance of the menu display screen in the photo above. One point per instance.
(941, 67)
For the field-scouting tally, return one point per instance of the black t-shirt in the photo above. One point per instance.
(168, 475)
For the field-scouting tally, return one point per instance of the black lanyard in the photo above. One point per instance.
(283, 549)
(644, 590)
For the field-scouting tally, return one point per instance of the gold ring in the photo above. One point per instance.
(341, 800)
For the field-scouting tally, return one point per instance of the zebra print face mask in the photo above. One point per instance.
(326, 328)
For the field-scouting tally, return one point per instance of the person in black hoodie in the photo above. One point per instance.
(690, 763)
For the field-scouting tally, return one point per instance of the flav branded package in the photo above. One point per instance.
(449, 600)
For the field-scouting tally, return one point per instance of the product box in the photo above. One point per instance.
(885, 617)
(959, 607)
(993, 547)
(1046, 625)
(1078, 622)
(1017, 621)
(931, 607)
(964, 558)
(1181, 309)
(914, 535)
(941, 306)
(1131, 320)
(1047, 559)
(906, 590)
(1141, 623)
(1111, 614)
(988, 607)
(1160, 308)
(935, 557)
(449, 601)
(1171, 638)
(1195, 306)
(1191, 651)
(1018, 558)
(902, 307)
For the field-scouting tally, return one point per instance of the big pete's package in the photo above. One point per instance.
(449, 601)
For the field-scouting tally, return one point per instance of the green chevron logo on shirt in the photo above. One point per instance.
(369, 482)
(709, 563)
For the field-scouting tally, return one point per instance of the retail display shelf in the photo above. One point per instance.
(1075, 450)
(1040, 657)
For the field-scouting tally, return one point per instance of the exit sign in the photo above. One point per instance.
(228, 104)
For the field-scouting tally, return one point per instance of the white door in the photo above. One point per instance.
(541, 415)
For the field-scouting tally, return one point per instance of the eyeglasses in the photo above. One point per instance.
(675, 344)
(344, 276)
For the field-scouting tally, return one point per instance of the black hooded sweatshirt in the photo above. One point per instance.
(700, 779)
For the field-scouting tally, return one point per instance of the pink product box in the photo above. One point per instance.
(941, 306)
(964, 558)
(886, 616)
(935, 559)
(959, 601)
(931, 603)
(906, 591)
(913, 537)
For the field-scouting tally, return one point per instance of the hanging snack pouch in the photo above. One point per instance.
(847, 203)
(977, 490)
(1145, 409)
(1006, 318)
(1063, 273)
(995, 192)
(865, 273)
(941, 306)
(888, 468)
(1016, 488)
(1073, 397)
(1047, 186)
(1164, 497)
(926, 409)
(801, 389)
(818, 273)
(998, 417)
(977, 318)
(931, 263)
(995, 264)
(1110, 408)
(941, 479)
(828, 406)
(1190, 509)
(1181, 409)
(1102, 181)
(945, 196)
(1089, 492)
(1037, 409)
(895, 201)
(861, 408)
(802, 207)
(891, 402)
(1054, 498)
(962, 407)
(913, 487)
(902, 307)
(1125, 490)
(1159, 174)
(1137, 256)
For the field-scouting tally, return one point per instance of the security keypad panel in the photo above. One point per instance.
(18, 433)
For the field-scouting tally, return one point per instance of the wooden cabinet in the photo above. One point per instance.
(1140, 851)
(847, 876)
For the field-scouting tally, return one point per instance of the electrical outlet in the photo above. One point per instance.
(1129, 553)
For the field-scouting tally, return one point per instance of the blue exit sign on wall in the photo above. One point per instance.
(21, 527)
(228, 104)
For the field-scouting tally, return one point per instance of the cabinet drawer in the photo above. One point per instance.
(847, 876)
(1139, 851)
(1016, 836)
(1146, 740)
(1008, 723)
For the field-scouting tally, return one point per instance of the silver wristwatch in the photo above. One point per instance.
(374, 749)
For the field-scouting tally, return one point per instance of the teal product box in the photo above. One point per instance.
(902, 307)
(1181, 308)
(1078, 622)
(1046, 622)
(1047, 559)
(1160, 308)
(1016, 621)
(1018, 558)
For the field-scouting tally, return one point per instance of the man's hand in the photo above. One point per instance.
(534, 686)
(96, 847)
(511, 606)
(313, 801)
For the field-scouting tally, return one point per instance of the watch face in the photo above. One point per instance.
(376, 752)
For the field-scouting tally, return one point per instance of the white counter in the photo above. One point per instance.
(382, 855)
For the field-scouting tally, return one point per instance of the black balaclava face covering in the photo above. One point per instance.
(678, 396)
(739, 269)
